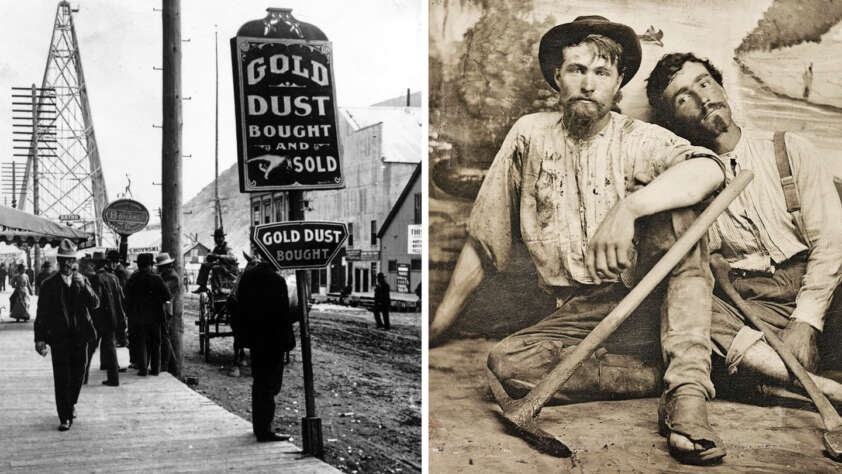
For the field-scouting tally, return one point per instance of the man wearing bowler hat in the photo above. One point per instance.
(63, 321)
(598, 198)
(146, 294)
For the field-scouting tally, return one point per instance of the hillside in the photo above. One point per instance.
(198, 213)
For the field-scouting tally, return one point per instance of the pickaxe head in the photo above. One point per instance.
(519, 419)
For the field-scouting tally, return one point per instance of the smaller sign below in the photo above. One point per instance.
(403, 278)
(353, 255)
(299, 244)
(69, 217)
(415, 240)
(125, 216)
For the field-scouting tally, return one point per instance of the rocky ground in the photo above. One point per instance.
(368, 386)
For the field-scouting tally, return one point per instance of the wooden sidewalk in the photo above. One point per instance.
(149, 424)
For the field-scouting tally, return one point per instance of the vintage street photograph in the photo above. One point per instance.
(635, 236)
(212, 236)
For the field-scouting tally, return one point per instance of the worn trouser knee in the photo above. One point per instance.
(520, 365)
(686, 309)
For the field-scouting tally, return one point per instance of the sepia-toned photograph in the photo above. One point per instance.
(635, 236)
(211, 236)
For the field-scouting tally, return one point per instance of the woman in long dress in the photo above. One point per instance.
(19, 300)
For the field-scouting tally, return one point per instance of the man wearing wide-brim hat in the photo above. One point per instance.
(220, 265)
(63, 322)
(598, 197)
(166, 269)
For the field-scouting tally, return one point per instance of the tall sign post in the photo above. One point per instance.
(288, 140)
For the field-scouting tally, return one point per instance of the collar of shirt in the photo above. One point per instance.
(67, 279)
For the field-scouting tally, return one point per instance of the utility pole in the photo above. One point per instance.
(171, 184)
(36, 209)
(216, 206)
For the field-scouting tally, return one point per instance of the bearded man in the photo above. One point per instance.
(780, 237)
(598, 198)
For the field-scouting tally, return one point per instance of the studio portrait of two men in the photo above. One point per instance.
(636, 235)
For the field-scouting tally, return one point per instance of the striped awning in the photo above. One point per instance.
(18, 227)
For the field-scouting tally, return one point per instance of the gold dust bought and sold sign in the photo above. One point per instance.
(287, 132)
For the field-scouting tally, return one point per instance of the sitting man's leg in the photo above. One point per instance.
(521, 360)
(685, 338)
(750, 361)
(202, 279)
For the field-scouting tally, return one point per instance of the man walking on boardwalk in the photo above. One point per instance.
(63, 321)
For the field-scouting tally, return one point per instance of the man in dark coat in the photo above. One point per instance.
(46, 271)
(382, 302)
(114, 267)
(64, 322)
(108, 319)
(146, 294)
(263, 306)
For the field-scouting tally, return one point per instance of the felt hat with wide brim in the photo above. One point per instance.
(550, 54)
(67, 249)
(163, 258)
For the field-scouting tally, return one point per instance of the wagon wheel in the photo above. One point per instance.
(203, 325)
(207, 308)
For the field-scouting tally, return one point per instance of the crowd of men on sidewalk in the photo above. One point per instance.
(95, 301)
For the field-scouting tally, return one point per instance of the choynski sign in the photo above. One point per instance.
(287, 132)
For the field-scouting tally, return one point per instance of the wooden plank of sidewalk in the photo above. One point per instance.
(151, 424)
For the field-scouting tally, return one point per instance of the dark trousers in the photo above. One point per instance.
(204, 272)
(148, 348)
(69, 363)
(384, 323)
(267, 371)
(107, 355)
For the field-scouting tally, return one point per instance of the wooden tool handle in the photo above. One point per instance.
(545, 389)
(830, 417)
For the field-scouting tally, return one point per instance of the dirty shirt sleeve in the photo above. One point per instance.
(655, 149)
(494, 220)
(822, 215)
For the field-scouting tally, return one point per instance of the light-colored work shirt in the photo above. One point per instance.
(553, 191)
(757, 232)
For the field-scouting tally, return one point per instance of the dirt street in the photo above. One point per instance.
(368, 386)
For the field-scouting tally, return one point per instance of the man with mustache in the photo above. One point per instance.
(785, 261)
(598, 198)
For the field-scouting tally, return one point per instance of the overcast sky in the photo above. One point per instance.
(379, 49)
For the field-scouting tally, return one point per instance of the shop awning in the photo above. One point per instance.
(18, 227)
